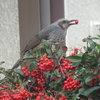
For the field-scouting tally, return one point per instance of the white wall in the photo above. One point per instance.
(9, 32)
(85, 11)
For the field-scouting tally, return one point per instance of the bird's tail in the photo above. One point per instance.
(16, 65)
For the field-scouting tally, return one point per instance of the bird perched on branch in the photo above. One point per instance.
(55, 32)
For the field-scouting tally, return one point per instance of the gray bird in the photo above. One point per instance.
(55, 32)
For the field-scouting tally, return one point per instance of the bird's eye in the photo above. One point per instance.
(64, 21)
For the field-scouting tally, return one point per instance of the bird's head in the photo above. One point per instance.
(64, 23)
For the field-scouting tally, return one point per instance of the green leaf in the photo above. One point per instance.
(84, 40)
(98, 36)
(90, 90)
(59, 80)
(45, 43)
(84, 58)
(49, 51)
(20, 81)
(56, 73)
(75, 64)
(32, 65)
(66, 92)
(15, 79)
(55, 84)
(89, 78)
(95, 70)
(8, 76)
(80, 79)
(80, 72)
(87, 69)
(81, 91)
(38, 53)
(53, 47)
(93, 38)
(27, 56)
(75, 97)
(59, 53)
(48, 73)
(52, 84)
(19, 71)
(2, 62)
(92, 43)
(98, 46)
(2, 69)
(75, 58)
(85, 48)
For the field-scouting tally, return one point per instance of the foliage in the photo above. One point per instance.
(48, 75)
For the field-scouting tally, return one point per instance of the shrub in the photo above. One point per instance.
(49, 75)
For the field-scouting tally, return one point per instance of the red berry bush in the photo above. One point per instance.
(48, 75)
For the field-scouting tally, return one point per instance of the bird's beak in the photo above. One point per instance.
(73, 22)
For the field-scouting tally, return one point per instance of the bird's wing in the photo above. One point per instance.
(43, 34)
(32, 43)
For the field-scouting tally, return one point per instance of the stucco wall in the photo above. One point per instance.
(9, 32)
(85, 11)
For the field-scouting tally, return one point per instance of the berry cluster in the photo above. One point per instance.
(40, 79)
(65, 64)
(40, 84)
(36, 73)
(71, 84)
(46, 64)
(20, 95)
(39, 87)
(63, 97)
(42, 96)
(66, 67)
(75, 52)
(26, 70)
(96, 79)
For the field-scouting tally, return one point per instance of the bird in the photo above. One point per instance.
(54, 32)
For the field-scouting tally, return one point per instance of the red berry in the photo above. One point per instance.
(4, 86)
(76, 21)
(17, 85)
(12, 75)
(23, 68)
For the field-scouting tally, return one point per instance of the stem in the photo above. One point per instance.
(62, 73)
